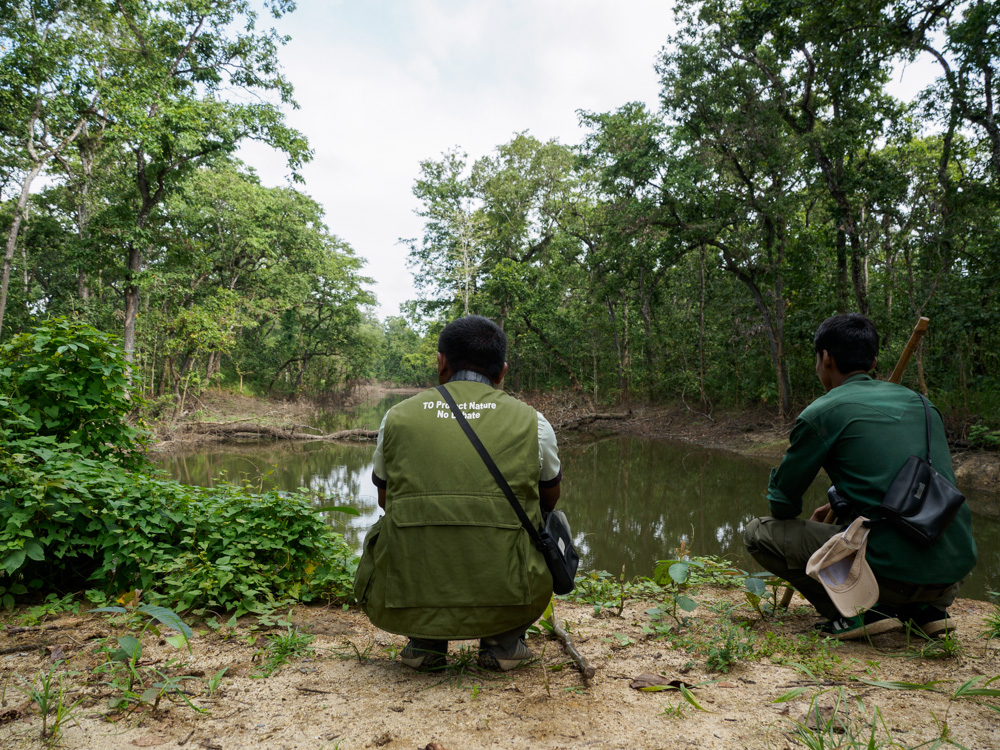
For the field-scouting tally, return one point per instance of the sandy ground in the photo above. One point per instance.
(351, 691)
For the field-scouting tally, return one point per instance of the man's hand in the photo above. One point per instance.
(819, 515)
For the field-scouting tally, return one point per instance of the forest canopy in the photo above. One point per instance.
(686, 251)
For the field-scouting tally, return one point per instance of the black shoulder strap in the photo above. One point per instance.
(491, 465)
(927, 413)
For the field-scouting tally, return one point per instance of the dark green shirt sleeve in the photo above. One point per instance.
(802, 462)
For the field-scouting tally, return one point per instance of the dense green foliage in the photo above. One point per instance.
(62, 387)
(692, 251)
(683, 252)
(79, 509)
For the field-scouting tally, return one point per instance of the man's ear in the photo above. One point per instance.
(503, 372)
(444, 369)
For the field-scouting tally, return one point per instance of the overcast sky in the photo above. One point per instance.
(385, 84)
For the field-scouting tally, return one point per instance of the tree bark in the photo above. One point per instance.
(20, 213)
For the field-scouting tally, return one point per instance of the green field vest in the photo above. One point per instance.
(450, 559)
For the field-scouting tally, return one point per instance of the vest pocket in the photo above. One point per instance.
(366, 565)
(455, 552)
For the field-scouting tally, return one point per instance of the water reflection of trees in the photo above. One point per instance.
(339, 474)
(630, 502)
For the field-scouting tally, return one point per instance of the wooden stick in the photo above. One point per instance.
(904, 359)
(897, 375)
(581, 663)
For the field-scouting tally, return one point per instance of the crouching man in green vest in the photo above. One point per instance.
(450, 560)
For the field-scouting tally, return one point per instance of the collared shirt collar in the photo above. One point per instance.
(472, 375)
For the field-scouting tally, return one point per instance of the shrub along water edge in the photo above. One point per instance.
(81, 508)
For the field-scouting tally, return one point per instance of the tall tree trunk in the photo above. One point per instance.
(842, 306)
(20, 214)
(131, 301)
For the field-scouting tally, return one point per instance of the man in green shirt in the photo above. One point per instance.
(862, 432)
(450, 559)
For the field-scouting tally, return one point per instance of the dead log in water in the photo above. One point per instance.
(241, 429)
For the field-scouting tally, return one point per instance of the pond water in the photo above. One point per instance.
(630, 501)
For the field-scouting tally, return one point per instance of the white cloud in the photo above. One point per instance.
(385, 84)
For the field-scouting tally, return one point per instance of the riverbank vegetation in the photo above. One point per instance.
(83, 510)
(683, 253)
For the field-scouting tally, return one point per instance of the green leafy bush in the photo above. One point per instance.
(67, 381)
(69, 519)
(73, 509)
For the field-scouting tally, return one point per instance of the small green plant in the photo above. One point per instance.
(52, 606)
(675, 577)
(281, 649)
(354, 651)
(761, 590)
(845, 727)
(944, 646)
(674, 710)
(992, 624)
(213, 683)
(981, 436)
(728, 644)
(619, 641)
(132, 683)
(49, 695)
(970, 690)
(610, 593)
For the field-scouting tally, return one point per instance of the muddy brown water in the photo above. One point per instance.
(631, 501)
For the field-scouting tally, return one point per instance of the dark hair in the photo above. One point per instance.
(474, 343)
(851, 339)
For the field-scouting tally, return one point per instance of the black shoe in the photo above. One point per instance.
(872, 622)
(929, 620)
(425, 655)
(495, 658)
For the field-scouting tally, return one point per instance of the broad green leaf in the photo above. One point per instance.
(679, 571)
(13, 561)
(166, 616)
(130, 646)
(686, 603)
(34, 549)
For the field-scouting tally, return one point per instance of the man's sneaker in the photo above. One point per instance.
(425, 655)
(870, 623)
(496, 658)
(929, 620)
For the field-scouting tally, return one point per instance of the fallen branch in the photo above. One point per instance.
(583, 419)
(242, 430)
(578, 659)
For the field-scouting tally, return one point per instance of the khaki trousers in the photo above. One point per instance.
(784, 546)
